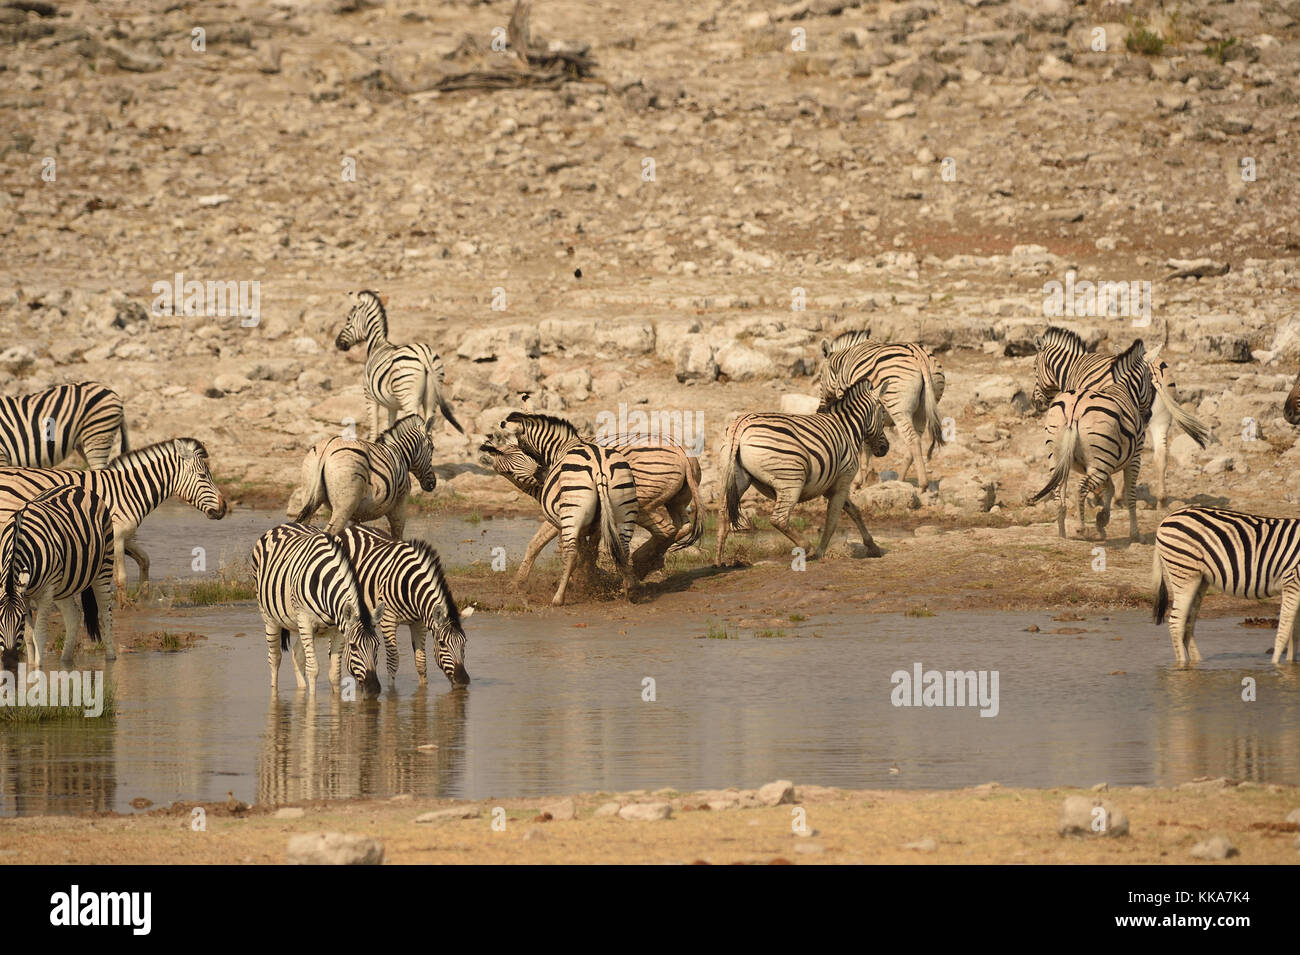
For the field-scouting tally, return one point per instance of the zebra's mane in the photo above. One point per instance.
(845, 340)
(429, 558)
(9, 554)
(390, 433)
(367, 622)
(851, 392)
(152, 451)
(1124, 365)
(561, 424)
(1064, 338)
(379, 308)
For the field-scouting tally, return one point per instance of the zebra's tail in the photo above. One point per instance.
(434, 396)
(90, 613)
(731, 499)
(284, 639)
(126, 444)
(313, 487)
(609, 529)
(1066, 442)
(1193, 426)
(697, 505)
(1160, 606)
(930, 395)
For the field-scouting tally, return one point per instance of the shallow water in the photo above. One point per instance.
(557, 709)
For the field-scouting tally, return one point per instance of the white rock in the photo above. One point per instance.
(335, 848)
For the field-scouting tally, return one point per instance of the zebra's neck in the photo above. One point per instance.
(139, 483)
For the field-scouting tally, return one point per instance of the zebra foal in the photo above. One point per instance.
(401, 379)
(366, 480)
(41, 430)
(1245, 555)
(306, 583)
(793, 458)
(1100, 432)
(56, 549)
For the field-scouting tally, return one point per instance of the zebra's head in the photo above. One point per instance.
(833, 386)
(413, 437)
(442, 618)
(194, 483)
(1057, 351)
(357, 628)
(845, 340)
(365, 318)
(514, 465)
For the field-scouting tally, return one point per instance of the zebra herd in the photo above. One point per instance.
(65, 534)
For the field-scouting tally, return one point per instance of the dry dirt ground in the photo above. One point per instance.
(987, 824)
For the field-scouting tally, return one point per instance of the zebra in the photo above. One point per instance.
(132, 485)
(404, 379)
(41, 430)
(586, 490)
(58, 547)
(1245, 555)
(406, 579)
(908, 379)
(1063, 363)
(1099, 432)
(366, 480)
(307, 583)
(1291, 407)
(793, 458)
(667, 483)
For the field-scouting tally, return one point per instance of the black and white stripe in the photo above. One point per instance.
(56, 549)
(306, 584)
(404, 379)
(586, 491)
(1100, 432)
(405, 578)
(1245, 555)
(366, 480)
(908, 379)
(43, 429)
(131, 485)
(797, 457)
(1063, 363)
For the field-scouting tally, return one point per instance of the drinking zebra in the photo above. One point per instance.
(41, 430)
(586, 491)
(131, 485)
(1063, 363)
(908, 379)
(306, 583)
(793, 458)
(1203, 548)
(366, 480)
(57, 548)
(667, 483)
(1100, 432)
(405, 578)
(404, 379)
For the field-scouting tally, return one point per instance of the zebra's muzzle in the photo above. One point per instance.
(428, 485)
(370, 687)
(218, 512)
(459, 676)
(342, 344)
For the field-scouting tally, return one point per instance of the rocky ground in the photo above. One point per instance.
(644, 235)
(1210, 820)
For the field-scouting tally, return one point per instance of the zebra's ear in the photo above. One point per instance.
(826, 348)
(428, 426)
(380, 609)
(383, 300)
(467, 612)
(1155, 351)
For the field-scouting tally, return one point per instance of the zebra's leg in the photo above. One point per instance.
(1107, 492)
(372, 412)
(388, 626)
(298, 657)
(1189, 629)
(834, 504)
(344, 502)
(1158, 428)
(273, 651)
(569, 550)
(41, 628)
(141, 561)
(856, 516)
(1181, 602)
(335, 671)
(786, 498)
(912, 442)
(1286, 621)
(104, 597)
(1131, 468)
(71, 619)
(306, 633)
(397, 520)
(417, 644)
(1061, 501)
(545, 534)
